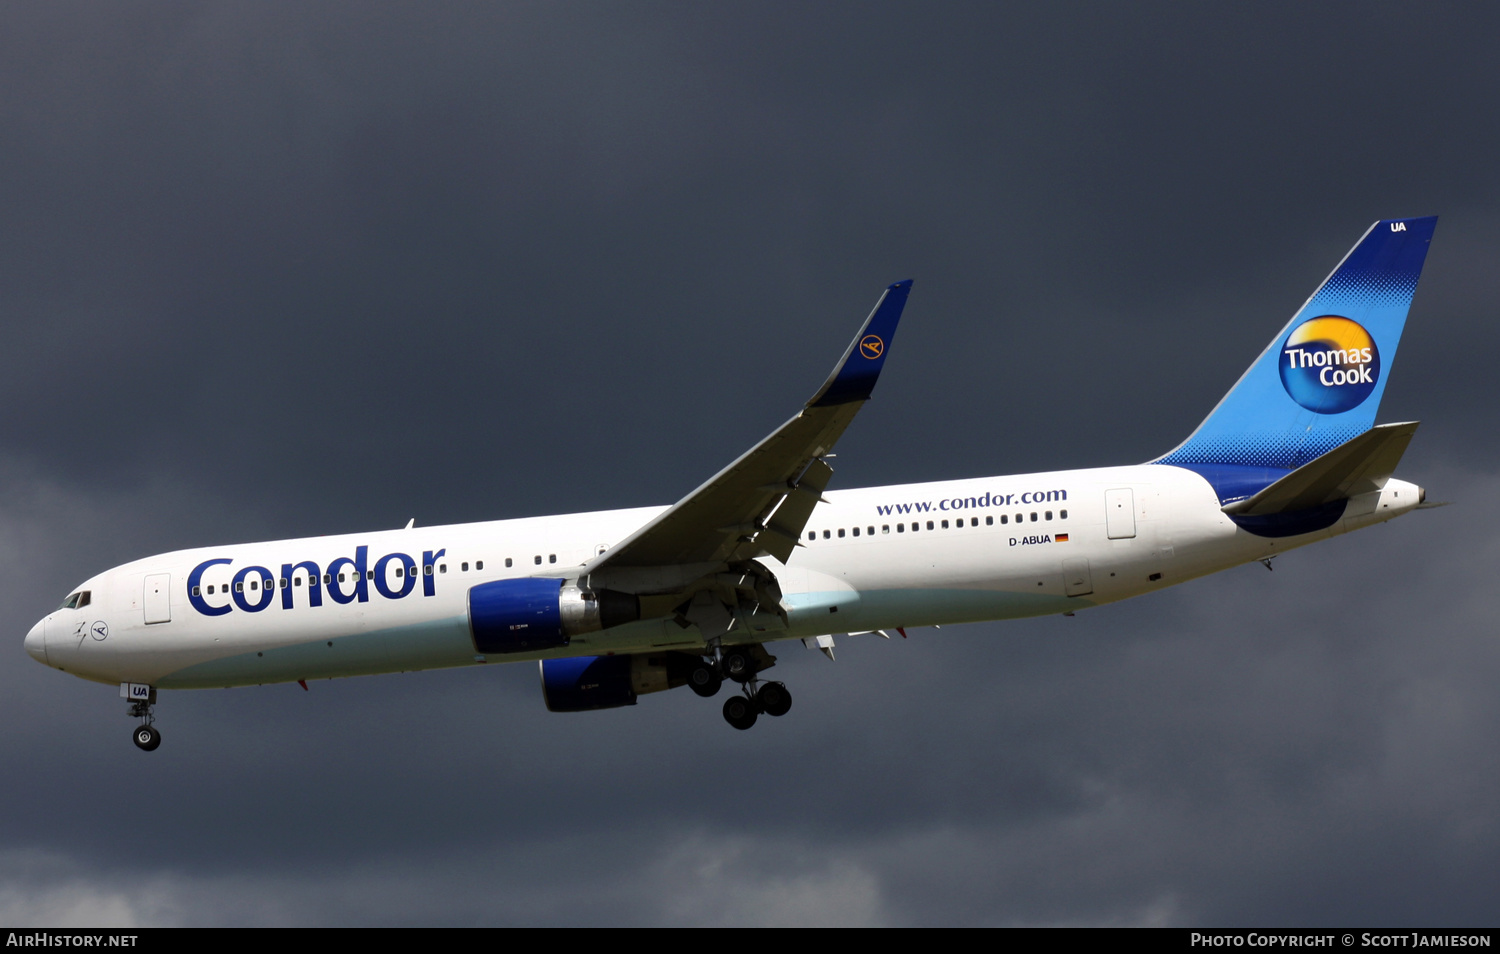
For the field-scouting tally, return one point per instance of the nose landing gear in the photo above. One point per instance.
(146, 735)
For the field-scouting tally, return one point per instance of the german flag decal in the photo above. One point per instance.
(1061, 538)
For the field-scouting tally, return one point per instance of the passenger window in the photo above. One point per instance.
(915, 526)
(479, 564)
(296, 581)
(1049, 515)
(195, 591)
(210, 589)
(327, 578)
(827, 534)
(398, 574)
(1062, 514)
(989, 521)
(427, 570)
(464, 566)
(945, 525)
(1033, 516)
(900, 528)
(929, 525)
(841, 533)
(885, 528)
(239, 587)
(856, 531)
(442, 568)
(552, 558)
(812, 534)
(285, 583)
(538, 559)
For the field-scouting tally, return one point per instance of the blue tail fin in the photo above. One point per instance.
(1319, 382)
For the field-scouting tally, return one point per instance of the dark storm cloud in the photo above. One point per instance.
(269, 271)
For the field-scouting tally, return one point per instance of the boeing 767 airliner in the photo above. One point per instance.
(617, 604)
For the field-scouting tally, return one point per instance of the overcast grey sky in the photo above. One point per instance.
(277, 270)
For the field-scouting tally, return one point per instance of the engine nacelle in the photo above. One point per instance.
(529, 614)
(581, 683)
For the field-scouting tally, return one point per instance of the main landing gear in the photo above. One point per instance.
(146, 735)
(740, 664)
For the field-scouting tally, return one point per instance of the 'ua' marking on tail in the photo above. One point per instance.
(1319, 382)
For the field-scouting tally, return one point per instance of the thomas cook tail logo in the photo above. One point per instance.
(871, 346)
(1329, 364)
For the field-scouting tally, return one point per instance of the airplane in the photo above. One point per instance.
(618, 604)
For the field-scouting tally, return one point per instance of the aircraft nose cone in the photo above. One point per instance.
(36, 648)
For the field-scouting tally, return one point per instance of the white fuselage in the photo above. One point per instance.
(875, 558)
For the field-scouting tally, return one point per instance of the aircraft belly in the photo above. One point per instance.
(880, 609)
(434, 644)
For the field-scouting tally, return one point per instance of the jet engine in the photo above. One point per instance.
(580, 683)
(530, 614)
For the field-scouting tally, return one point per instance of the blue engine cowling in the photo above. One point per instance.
(516, 616)
(587, 682)
(580, 683)
(530, 614)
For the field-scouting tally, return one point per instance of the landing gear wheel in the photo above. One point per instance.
(774, 699)
(738, 665)
(739, 712)
(147, 738)
(704, 680)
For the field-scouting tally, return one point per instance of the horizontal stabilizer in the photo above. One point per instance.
(1357, 466)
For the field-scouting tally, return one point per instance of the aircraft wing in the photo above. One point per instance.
(759, 504)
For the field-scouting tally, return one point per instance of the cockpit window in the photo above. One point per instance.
(75, 600)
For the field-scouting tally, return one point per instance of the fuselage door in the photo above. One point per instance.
(1076, 578)
(1119, 513)
(158, 598)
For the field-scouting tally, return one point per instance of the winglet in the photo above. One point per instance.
(854, 377)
